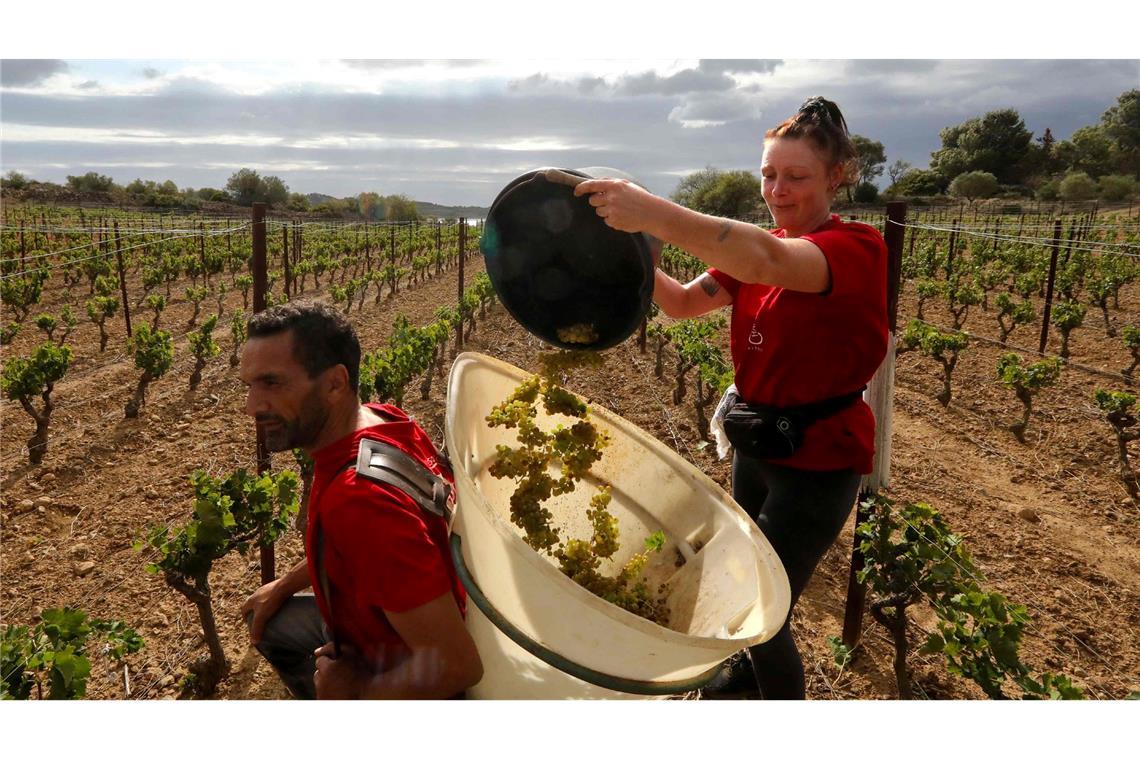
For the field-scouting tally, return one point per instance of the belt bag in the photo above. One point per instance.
(769, 432)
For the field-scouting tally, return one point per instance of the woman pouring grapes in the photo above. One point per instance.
(808, 330)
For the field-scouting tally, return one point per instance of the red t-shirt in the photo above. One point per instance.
(791, 348)
(382, 551)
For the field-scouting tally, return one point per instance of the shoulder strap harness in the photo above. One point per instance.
(385, 463)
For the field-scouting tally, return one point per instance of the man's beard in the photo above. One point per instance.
(296, 433)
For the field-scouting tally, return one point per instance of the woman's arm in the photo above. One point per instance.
(742, 251)
(702, 295)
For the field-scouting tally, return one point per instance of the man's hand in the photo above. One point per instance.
(263, 604)
(340, 678)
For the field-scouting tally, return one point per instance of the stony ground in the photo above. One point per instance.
(1048, 521)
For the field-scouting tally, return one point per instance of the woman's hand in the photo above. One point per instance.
(622, 204)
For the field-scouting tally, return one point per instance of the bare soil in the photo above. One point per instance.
(1072, 559)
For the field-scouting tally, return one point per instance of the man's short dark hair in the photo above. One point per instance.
(322, 337)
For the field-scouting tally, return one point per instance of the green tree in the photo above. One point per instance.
(693, 184)
(1089, 150)
(920, 182)
(1116, 187)
(91, 182)
(871, 157)
(1049, 190)
(273, 191)
(23, 292)
(898, 170)
(1122, 123)
(372, 206)
(1077, 186)
(399, 208)
(243, 186)
(997, 143)
(49, 324)
(865, 192)
(974, 185)
(14, 180)
(732, 194)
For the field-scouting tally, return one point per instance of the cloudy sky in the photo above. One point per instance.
(455, 131)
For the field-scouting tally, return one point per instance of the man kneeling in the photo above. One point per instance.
(384, 619)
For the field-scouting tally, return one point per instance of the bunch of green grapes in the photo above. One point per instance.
(577, 448)
(581, 333)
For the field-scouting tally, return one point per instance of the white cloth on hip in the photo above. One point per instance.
(723, 446)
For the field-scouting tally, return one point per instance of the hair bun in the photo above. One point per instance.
(823, 110)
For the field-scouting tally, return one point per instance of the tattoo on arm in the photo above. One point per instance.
(725, 228)
(709, 285)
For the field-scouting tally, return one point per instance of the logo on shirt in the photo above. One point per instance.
(755, 339)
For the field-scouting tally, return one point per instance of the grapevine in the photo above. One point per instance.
(23, 379)
(911, 556)
(55, 651)
(235, 514)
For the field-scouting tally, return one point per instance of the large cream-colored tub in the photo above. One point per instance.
(725, 586)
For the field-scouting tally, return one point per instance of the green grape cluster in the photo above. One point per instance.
(577, 448)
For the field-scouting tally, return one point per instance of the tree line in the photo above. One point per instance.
(991, 156)
(244, 188)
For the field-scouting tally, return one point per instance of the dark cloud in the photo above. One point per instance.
(875, 67)
(739, 65)
(902, 106)
(407, 63)
(90, 84)
(151, 73)
(590, 85)
(16, 72)
(716, 107)
(686, 81)
(531, 82)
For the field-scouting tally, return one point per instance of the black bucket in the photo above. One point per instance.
(556, 266)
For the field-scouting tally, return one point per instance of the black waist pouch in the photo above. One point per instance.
(768, 432)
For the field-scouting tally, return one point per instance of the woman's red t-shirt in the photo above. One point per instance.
(791, 348)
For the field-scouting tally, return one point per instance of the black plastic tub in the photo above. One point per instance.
(560, 271)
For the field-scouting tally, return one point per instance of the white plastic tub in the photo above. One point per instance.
(726, 588)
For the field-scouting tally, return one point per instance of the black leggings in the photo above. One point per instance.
(801, 513)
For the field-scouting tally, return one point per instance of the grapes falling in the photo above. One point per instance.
(576, 448)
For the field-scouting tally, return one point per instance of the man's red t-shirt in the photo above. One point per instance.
(382, 551)
(791, 348)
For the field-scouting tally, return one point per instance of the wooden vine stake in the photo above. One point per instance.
(880, 396)
(260, 279)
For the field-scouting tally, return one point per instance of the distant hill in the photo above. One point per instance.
(431, 210)
(451, 212)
